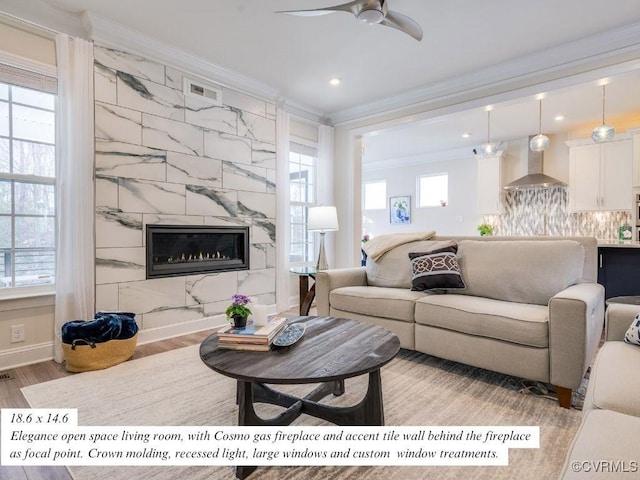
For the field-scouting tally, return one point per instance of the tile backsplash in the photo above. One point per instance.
(545, 212)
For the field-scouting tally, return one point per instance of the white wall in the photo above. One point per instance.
(459, 217)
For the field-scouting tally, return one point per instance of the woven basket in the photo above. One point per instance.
(82, 357)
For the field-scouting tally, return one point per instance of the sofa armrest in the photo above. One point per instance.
(327, 280)
(576, 319)
(617, 320)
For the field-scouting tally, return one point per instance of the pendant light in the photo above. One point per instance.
(540, 142)
(489, 149)
(603, 133)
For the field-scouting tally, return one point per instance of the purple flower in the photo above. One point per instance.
(240, 300)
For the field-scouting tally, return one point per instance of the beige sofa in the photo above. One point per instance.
(606, 445)
(531, 307)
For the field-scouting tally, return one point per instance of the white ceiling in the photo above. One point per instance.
(463, 39)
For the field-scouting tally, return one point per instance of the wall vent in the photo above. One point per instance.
(200, 90)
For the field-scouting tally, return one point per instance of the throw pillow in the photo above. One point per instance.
(435, 270)
(633, 334)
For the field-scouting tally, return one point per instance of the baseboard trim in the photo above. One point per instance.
(30, 354)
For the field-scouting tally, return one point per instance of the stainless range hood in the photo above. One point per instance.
(534, 177)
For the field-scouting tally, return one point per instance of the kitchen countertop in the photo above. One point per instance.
(618, 243)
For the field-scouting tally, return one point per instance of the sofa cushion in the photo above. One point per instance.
(633, 333)
(437, 269)
(523, 324)
(612, 383)
(396, 303)
(604, 436)
(525, 271)
(393, 268)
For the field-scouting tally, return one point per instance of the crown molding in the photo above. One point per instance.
(578, 57)
(589, 141)
(419, 159)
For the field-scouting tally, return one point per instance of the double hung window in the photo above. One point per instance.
(27, 179)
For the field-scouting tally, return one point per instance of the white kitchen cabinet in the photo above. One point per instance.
(600, 176)
(490, 185)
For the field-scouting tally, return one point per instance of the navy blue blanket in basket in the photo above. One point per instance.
(104, 327)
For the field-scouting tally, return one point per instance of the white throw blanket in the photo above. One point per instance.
(378, 246)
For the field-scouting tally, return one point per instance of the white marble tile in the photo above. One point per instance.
(243, 101)
(265, 298)
(256, 127)
(258, 256)
(106, 192)
(256, 205)
(118, 124)
(115, 159)
(263, 230)
(257, 282)
(132, 64)
(116, 265)
(173, 78)
(227, 221)
(165, 134)
(263, 155)
(216, 308)
(244, 177)
(271, 181)
(172, 316)
(152, 295)
(271, 111)
(107, 297)
(142, 196)
(194, 170)
(149, 97)
(117, 229)
(224, 146)
(212, 117)
(211, 201)
(104, 84)
(263, 255)
(209, 288)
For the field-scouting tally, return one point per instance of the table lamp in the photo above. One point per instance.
(322, 219)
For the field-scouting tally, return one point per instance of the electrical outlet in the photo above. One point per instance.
(17, 333)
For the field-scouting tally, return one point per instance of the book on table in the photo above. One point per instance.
(252, 335)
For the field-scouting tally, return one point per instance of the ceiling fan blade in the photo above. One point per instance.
(351, 7)
(403, 23)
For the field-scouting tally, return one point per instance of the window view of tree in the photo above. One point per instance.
(27, 187)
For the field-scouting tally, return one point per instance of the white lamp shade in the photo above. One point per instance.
(322, 219)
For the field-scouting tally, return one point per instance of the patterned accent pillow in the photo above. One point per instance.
(633, 334)
(434, 270)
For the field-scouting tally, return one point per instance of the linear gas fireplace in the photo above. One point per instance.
(185, 250)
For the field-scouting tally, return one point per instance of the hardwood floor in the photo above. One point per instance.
(11, 397)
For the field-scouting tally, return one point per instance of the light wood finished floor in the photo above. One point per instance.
(11, 397)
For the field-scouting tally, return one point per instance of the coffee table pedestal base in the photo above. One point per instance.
(369, 412)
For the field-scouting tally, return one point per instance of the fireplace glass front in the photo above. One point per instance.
(174, 250)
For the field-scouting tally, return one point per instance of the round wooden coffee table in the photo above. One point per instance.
(331, 350)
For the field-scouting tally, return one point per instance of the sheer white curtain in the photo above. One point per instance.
(75, 256)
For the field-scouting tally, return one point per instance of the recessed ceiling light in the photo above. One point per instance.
(466, 135)
(335, 81)
(559, 118)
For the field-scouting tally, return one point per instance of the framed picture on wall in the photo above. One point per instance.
(400, 209)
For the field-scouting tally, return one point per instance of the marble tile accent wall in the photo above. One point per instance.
(163, 157)
(539, 211)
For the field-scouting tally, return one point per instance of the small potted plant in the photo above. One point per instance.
(485, 229)
(238, 311)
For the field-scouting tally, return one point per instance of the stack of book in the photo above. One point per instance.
(258, 339)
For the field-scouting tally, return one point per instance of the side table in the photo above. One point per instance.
(306, 294)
